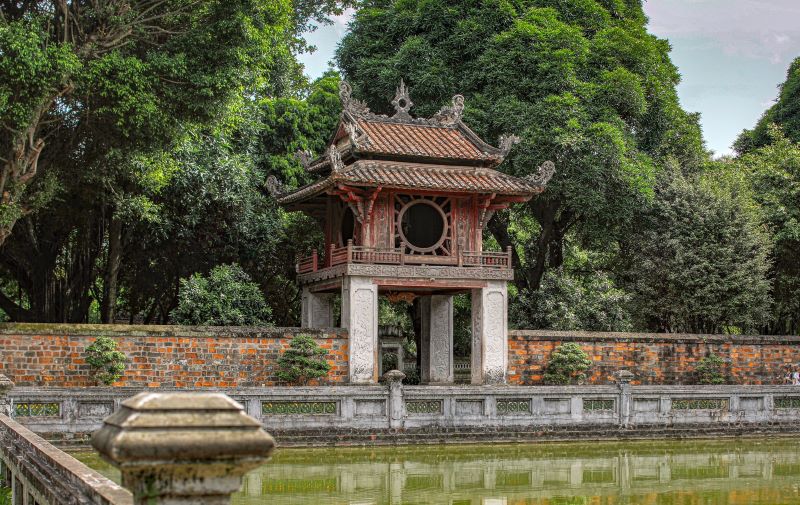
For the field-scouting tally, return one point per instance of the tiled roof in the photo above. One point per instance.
(399, 175)
(395, 138)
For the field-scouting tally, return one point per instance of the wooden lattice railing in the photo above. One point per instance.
(397, 256)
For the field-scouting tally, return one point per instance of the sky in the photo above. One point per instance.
(732, 55)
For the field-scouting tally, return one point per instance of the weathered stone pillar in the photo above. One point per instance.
(624, 378)
(5, 404)
(437, 339)
(182, 448)
(490, 333)
(316, 310)
(360, 318)
(394, 381)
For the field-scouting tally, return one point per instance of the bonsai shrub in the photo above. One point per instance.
(709, 370)
(302, 361)
(567, 365)
(108, 364)
(225, 297)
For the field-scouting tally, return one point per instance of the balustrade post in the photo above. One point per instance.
(624, 378)
(314, 260)
(330, 254)
(394, 381)
(5, 403)
(509, 257)
(182, 448)
(349, 250)
(402, 253)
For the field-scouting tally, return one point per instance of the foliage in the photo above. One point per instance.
(302, 361)
(773, 173)
(567, 365)
(412, 377)
(108, 364)
(581, 83)
(699, 261)
(709, 370)
(226, 297)
(5, 495)
(578, 296)
(784, 113)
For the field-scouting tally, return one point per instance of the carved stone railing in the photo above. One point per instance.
(397, 256)
(325, 409)
(175, 448)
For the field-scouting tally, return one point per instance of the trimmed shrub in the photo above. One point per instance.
(108, 364)
(709, 370)
(302, 361)
(567, 365)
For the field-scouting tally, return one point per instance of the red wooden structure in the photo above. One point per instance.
(403, 202)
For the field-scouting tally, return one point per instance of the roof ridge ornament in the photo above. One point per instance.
(450, 114)
(335, 159)
(350, 104)
(543, 174)
(275, 187)
(358, 137)
(506, 142)
(402, 102)
(305, 157)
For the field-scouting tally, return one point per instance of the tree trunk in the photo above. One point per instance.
(110, 278)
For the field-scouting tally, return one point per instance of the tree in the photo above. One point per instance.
(226, 297)
(84, 82)
(567, 364)
(581, 83)
(699, 262)
(709, 370)
(773, 173)
(570, 299)
(302, 361)
(785, 113)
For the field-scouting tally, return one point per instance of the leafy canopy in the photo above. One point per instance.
(226, 297)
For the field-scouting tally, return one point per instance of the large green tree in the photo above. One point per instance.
(773, 172)
(582, 83)
(699, 259)
(784, 113)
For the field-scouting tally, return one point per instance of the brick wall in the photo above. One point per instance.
(656, 358)
(159, 356)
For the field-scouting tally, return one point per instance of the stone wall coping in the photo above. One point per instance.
(142, 330)
(582, 336)
(100, 488)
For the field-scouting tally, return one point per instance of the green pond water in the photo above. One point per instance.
(729, 472)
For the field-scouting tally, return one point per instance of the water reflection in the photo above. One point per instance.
(674, 473)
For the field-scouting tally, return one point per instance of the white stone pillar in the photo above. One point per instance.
(437, 339)
(360, 318)
(490, 333)
(316, 310)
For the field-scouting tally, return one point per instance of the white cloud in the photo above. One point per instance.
(340, 21)
(760, 29)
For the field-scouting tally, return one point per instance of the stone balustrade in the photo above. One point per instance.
(390, 412)
(176, 448)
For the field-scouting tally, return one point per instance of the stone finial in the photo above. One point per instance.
(543, 174)
(624, 376)
(393, 376)
(5, 386)
(182, 448)
(402, 102)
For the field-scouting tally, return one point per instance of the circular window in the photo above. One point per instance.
(422, 225)
(347, 227)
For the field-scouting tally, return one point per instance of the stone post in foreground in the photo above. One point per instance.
(5, 404)
(182, 448)
(394, 380)
(624, 378)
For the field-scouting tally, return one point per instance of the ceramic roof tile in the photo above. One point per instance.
(399, 175)
(420, 140)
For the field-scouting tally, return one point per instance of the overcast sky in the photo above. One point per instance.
(732, 55)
